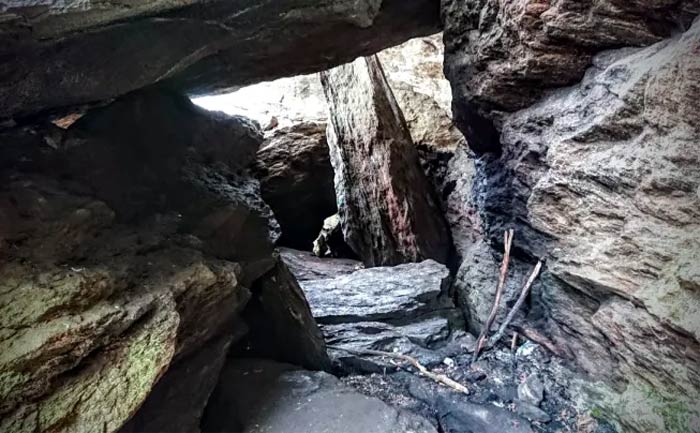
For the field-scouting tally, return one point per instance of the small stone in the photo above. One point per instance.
(449, 362)
(533, 413)
(526, 350)
(531, 390)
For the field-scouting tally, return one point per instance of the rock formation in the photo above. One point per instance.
(599, 179)
(387, 207)
(501, 57)
(296, 180)
(52, 52)
(124, 267)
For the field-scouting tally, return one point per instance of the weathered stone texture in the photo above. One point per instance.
(56, 56)
(296, 180)
(387, 207)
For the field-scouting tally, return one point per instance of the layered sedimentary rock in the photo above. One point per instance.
(502, 56)
(601, 180)
(386, 205)
(129, 246)
(296, 179)
(54, 53)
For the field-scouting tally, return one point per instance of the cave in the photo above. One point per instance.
(375, 216)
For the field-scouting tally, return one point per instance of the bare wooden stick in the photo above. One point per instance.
(514, 342)
(513, 311)
(481, 341)
(441, 378)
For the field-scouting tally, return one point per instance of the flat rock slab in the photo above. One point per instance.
(306, 266)
(256, 396)
(382, 293)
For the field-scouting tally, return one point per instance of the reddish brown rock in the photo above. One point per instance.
(387, 207)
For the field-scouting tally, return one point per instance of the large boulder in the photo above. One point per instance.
(601, 180)
(57, 54)
(130, 245)
(503, 56)
(296, 180)
(404, 308)
(388, 209)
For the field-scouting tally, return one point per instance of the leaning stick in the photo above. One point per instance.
(521, 300)
(533, 335)
(440, 378)
(481, 341)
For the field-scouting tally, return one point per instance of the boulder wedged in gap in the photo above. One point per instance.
(504, 57)
(113, 284)
(387, 207)
(402, 308)
(307, 266)
(281, 325)
(195, 47)
(296, 180)
(262, 396)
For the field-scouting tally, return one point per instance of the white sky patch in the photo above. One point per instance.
(290, 100)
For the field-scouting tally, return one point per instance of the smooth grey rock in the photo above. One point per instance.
(306, 266)
(459, 416)
(388, 210)
(531, 390)
(531, 412)
(397, 292)
(255, 396)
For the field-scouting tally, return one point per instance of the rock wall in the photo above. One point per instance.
(598, 179)
(129, 244)
(387, 207)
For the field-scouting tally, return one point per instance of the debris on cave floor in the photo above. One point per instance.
(524, 392)
(405, 310)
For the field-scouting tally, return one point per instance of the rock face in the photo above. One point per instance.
(601, 180)
(129, 246)
(296, 179)
(258, 396)
(50, 51)
(330, 242)
(404, 308)
(501, 57)
(382, 293)
(306, 266)
(387, 208)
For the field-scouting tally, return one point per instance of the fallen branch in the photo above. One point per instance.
(519, 303)
(440, 378)
(481, 341)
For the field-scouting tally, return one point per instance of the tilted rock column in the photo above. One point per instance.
(387, 207)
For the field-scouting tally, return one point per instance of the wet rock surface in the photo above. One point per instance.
(261, 396)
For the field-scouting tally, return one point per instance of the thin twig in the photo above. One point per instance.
(481, 341)
(513, 311)
(514, 342)
(441, 378)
